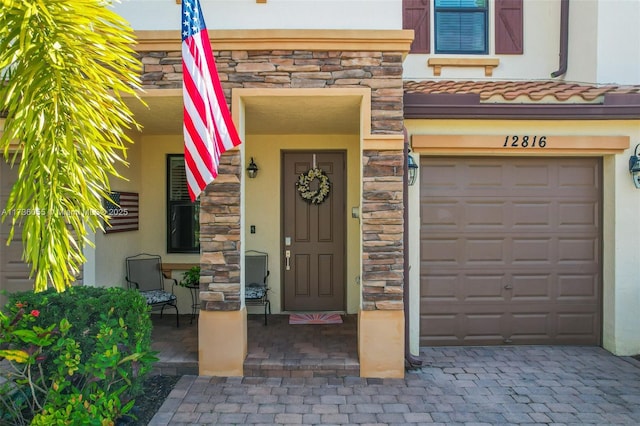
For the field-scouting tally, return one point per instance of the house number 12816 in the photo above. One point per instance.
(525, 141)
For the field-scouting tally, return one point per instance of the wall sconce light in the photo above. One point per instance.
(413, 169)
(252, 169)
(634, 167)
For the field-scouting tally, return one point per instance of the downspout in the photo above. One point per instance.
(411, 360)
(564, 39)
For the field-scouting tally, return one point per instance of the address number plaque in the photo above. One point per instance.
(526, 141)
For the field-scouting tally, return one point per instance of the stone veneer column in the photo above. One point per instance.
(381, 320)
(222, 326)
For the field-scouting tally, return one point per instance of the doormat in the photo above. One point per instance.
(315, 318)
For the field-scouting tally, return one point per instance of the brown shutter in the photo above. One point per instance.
(509, 28)
(415, 16)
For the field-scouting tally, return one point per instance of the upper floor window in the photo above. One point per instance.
(461, 26)
(183, 215)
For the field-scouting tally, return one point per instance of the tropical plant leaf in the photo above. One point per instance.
(71, 62)
(15, 355)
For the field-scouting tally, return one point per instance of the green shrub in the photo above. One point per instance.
(77, 357)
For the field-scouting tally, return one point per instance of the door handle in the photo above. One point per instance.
(287, 260)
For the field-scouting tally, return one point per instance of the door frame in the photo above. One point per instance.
(344, 153)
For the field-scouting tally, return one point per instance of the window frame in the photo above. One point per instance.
(437, 10)
(182, 202)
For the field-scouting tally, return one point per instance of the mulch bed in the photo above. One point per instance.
(156, 390)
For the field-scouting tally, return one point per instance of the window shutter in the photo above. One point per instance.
(415, 16)
(509, 27)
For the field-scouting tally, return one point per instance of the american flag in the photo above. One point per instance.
(208, 128)
(123, 210)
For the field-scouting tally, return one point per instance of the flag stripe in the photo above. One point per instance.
(208, 128)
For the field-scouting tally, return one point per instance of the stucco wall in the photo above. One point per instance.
(604, 45)
(147, 176)
(621, 209)
(280, 14)
(105, 263)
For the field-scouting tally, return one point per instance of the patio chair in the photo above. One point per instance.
(256, 272)
(144, 273)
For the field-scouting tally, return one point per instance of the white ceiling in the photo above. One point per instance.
(263, 114)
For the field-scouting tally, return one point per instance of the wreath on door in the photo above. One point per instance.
(305, 180)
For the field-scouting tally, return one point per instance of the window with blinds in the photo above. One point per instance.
(183, 216)
(461, 26)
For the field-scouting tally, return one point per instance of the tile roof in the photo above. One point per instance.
(541, 91)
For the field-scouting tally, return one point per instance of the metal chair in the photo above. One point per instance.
(256, 272)
(144, 273)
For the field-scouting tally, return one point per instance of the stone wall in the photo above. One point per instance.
(382, 208)
(382, 230)
(380, 71)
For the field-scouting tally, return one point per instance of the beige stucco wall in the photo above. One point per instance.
(295, 14)
(263, 199)
(147, 176)
(597, 49)
(620, 225)
(105, 263)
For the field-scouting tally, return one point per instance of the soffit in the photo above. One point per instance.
(263, 114)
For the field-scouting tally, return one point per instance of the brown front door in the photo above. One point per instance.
(314, 235)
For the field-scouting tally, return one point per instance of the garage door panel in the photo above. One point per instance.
(14, 273)
(440, 214)
(442, 251)
(443, 176)
(483, 176)
(483, 215)
(439, 288)
(532, 215)
(579, 178)
(443, 326)
(530, 177)
(486, 326)
(578, 216)
(529, 288)
(483, 288)
(484, 251)
(527, 326)
(578, 288)
(577, 250)
(577, 325)
(511, 251)
(11, 259)
(528, 251)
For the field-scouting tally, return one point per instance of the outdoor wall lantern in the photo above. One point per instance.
(413, 169)
(634, 167)
(252, 170)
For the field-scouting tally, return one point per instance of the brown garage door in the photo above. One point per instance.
(14, 273)
(510, 251)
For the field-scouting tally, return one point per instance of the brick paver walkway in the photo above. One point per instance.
(474, 386)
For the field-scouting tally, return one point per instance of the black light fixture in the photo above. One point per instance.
(413, 169)
(252, 169)
(634, 167)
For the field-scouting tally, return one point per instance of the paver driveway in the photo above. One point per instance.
(472, 385)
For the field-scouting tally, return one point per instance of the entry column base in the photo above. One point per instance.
(222, 343)
(381, 344)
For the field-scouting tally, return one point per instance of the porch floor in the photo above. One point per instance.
(275, 350)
